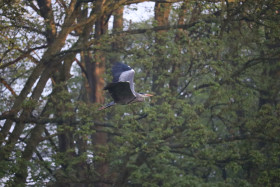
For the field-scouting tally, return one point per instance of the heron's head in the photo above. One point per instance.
(141, 96)
(147, 95)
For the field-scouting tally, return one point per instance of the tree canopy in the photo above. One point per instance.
(214, 70)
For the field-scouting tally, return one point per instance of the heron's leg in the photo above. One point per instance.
(107, 106)
(141, 116)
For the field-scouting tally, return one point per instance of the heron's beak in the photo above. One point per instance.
(148, 95)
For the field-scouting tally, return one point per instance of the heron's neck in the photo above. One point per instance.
(139, 97)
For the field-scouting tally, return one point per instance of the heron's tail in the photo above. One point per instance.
(107, 106)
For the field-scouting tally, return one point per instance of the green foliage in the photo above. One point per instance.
(213, 119)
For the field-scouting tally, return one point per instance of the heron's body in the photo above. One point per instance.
(120, 92)
(122, 87)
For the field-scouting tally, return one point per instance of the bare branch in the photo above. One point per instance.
(81, 66)
(33, 6)
(43, 120)
(160, 1)
(8, 86)
(24, 55)
(62, 3)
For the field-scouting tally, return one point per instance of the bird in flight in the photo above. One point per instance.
(122, 88)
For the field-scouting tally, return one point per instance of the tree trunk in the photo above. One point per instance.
(96, 75)
(173, 83)
(162, 11)
(117, 44)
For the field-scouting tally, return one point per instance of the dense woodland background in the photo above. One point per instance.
(213, 66)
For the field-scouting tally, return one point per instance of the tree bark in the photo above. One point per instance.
(180, 34)
(117, 44)
(162, 11)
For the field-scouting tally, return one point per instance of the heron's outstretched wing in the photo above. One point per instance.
(120, 92)
(123, 73)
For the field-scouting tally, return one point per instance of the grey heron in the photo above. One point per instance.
(122, 88)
